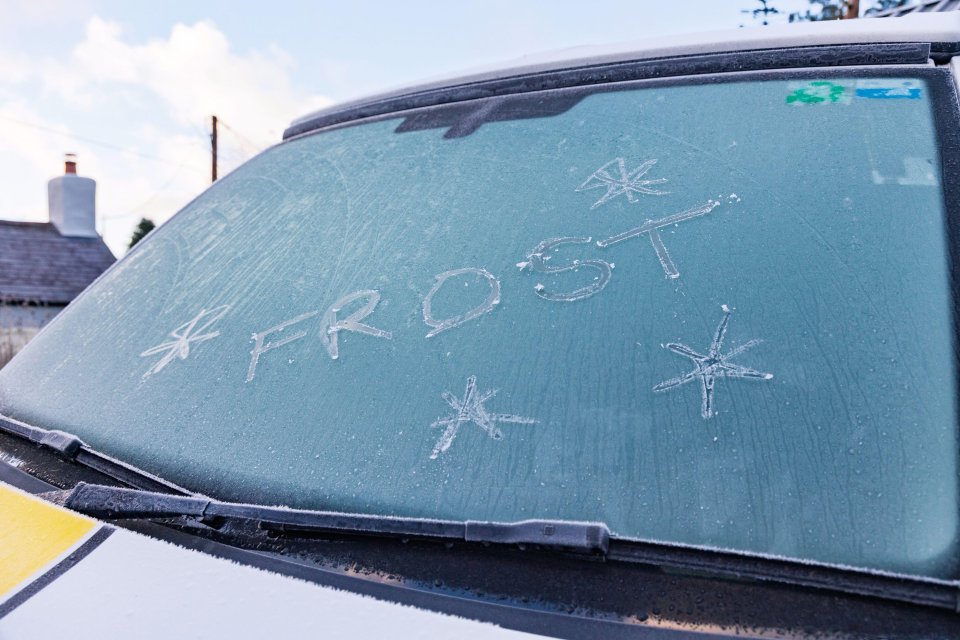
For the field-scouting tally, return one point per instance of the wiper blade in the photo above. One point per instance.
(158, 498)
(116, 503)
(72, 448)
(587, 538)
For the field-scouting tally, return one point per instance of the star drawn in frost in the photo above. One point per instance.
(188, 333)
(471, 409)
(712, 366)
(626, 183)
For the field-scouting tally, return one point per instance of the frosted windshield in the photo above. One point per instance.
(715, 314)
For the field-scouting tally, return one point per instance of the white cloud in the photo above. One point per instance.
(153, 98)
(194, 73)
(14, 67)
(25, 154)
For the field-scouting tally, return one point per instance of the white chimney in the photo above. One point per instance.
(72, 202)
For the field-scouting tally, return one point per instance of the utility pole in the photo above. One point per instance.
(213, 150)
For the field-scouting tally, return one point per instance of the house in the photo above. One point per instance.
(45, 265)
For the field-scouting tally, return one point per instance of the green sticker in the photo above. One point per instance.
(820, 92)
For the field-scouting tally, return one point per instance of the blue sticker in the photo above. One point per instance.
(888, 90)
(891, 92)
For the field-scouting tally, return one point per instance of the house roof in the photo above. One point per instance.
(38, 265)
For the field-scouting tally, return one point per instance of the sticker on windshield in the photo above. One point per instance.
(888, 89)
(191, 332)
(819, 92)
(471, 409)
(624, 183)
(917, 172)
(712, 365)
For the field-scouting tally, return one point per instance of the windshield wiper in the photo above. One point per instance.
(71, 448)
(586, 538)
(154, 497)
(117, 503)
(157, 498)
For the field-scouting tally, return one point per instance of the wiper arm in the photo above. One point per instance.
(158, 498)
(155, 497)
(116, 503)
(72, 448)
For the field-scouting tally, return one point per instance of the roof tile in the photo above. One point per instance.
(39, 265)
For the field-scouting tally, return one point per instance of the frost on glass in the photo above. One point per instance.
(331, 326)
(264, 343)
(709, 366)
(652, 229)
(622, 182)
(538, 261)
(470, 409)
(440, 325)
(283, 322)
(192, 332)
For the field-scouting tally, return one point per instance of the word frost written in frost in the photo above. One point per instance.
(537, 261)
(471, 409)
(713, 365)
(652, 229)
(493, 299)
(627, 183)
(332, 326)
(188, 333)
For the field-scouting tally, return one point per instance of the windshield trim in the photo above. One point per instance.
(847, 69)
(809, 57)
(904, 587)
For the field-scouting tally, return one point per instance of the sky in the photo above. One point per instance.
(130, 86)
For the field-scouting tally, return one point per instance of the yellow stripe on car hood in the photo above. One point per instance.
(33, 534)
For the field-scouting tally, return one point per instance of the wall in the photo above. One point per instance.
(19, 323)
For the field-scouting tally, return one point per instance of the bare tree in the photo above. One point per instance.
(763, 11)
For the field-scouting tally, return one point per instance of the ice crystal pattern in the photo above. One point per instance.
(189, 333)
(713, 365)
(470, 409)
(622, 182)
(652, 229)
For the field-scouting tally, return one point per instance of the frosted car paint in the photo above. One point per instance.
(70, 576)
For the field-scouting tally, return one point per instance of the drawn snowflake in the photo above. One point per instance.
(471, 409)
(712, 366)
(191, 332)
(626, 183)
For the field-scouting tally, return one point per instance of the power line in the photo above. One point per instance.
(92, 141)
(240, 137)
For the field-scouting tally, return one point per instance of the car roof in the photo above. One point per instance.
(930, 28)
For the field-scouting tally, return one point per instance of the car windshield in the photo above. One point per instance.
(714, 314)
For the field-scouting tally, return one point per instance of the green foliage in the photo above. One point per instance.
(144, 227)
